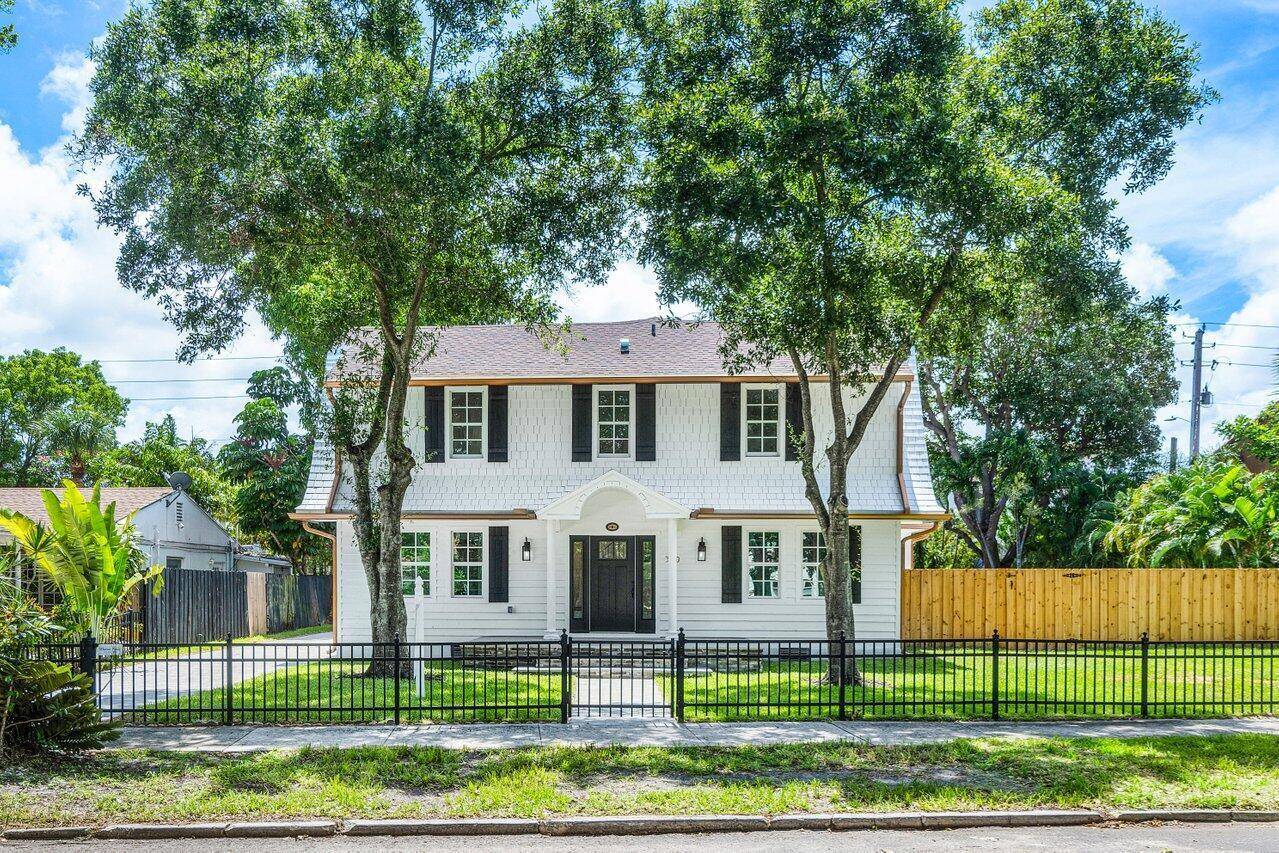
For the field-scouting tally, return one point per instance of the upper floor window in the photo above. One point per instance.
(468, 563)
(763, 563)
(415, 562)
(466, 423)
(812, 553)
(762, 415)
(613, 413)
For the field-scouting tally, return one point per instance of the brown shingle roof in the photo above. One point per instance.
(127, 500)
(592, 351)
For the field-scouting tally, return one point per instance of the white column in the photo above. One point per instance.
(672, 536)
(550, 579)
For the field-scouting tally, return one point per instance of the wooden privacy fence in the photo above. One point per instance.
(1096, 604)
(197, 605)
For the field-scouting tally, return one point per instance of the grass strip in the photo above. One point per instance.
(1223, 771)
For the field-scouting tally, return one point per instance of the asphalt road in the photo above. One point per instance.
(1121, 839)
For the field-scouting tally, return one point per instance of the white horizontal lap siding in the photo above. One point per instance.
(703, 614)
(449, 617)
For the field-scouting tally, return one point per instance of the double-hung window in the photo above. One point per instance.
(763, 554)
(613, 413)
(812, 553)
(468, 563)
(763, 421)
(466, 423)
(415, 562)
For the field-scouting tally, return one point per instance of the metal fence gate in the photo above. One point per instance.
(622, 678)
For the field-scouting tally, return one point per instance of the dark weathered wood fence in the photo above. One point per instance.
(196, 605)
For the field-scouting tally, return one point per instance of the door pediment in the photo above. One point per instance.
(655, 504)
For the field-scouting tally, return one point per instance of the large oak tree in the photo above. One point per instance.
(829, 178)
(387, 166)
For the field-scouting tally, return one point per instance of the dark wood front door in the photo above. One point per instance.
(612, 584)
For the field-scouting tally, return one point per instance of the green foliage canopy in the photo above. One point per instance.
(269, 466)
(1210, 514)
(160, 451)
(844, 182)
(396, 164)
(1043, 412)
(43, 396)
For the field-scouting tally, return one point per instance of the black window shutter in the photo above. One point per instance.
(731, 564)
(434, 424)
(646, 422)
(855, 561)
(730, 427)
(497, 423)
(794, 420)
(581, 423)
(499, 563)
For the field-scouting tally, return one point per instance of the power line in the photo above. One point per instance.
(206, 397)
(180, 361)
(1223, 344)
(162, 381)
(1235, 325)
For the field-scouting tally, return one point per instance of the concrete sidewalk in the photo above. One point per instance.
(656, 733)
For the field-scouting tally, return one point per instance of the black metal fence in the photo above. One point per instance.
(686, 679)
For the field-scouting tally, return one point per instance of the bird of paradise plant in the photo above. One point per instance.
(89, 554)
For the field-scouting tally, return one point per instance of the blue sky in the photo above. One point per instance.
(1208, 235)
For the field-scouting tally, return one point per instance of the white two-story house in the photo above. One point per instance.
(627, 487)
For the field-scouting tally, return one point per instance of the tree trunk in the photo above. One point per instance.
(399, 469)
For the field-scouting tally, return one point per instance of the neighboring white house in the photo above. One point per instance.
(628, 486)
(173, 530)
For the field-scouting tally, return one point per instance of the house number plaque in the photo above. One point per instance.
(611, 527)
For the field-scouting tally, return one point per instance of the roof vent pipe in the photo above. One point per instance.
(652, 330)
(625, 345)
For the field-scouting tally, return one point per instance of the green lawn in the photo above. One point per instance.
(1232, 771)
(329, 692)
(957, 685)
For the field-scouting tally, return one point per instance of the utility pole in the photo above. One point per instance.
(1196, 382)
(1172, 456)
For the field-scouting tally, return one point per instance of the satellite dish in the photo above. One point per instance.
(179, 481)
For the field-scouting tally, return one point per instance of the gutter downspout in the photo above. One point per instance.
(333, 570)
(907, 543)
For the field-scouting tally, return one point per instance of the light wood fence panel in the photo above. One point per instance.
(1092, 604)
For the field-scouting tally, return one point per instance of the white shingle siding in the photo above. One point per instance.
(687, 469)
(918, 474)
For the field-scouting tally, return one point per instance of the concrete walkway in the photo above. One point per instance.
(656, 733)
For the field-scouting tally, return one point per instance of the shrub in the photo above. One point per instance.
(44, 707)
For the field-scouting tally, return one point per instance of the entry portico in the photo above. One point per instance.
(612, 518)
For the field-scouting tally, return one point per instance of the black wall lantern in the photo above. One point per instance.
(701, 550)
(526, 550)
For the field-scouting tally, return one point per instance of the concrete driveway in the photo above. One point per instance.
(139, 683)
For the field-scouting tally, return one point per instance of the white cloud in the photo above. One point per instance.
(58, 285)
(1239, 354)
(629, 294)
(1147, 270)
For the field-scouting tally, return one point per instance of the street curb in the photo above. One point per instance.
(623, 825)
(1196, 816)
(653, 825)
(443, 826)
(46, 833)
(149, 831)
(282, 829)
